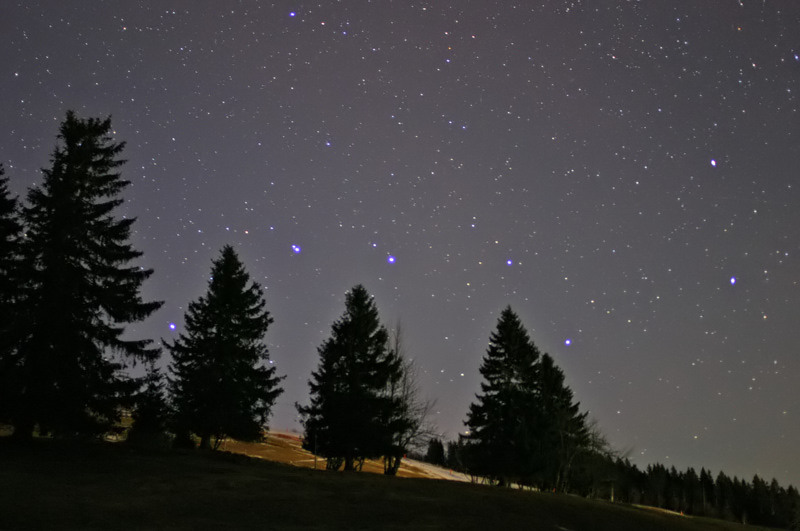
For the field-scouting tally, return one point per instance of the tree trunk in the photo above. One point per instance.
(391, 464)
(205, 442)
(348, 464)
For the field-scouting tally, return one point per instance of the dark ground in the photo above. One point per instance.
(70, 485)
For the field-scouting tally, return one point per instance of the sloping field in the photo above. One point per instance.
(285, 447)
(58, 485)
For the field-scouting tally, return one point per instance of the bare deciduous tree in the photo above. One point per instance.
(411, 425)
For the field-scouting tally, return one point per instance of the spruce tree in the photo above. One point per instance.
(222, 380)
(503, 422)
(345, 421)
(525, 425)
(10, 292)
(563, 428)
(80, 289)
(707, 491)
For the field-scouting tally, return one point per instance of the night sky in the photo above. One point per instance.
(624, 174)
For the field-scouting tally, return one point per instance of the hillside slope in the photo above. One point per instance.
(56, 485)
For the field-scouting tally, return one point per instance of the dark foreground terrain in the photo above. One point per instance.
(57, 485)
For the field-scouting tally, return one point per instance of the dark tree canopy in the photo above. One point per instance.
(150, 412)
(80, 289)
(689, 492)
(524, 425)
(563, 429)
(435, 452)
(223, 383)
(504, 420)
(346, 420)
(10, 292)
(10, 230)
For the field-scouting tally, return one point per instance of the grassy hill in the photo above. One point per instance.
(58, 485)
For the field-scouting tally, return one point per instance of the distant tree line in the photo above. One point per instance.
(69, 287)
(756, 502)
(526, 429)
(602, 475)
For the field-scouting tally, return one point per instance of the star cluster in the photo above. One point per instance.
(623, 174)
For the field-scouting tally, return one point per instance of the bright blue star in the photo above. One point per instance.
(296, 249)
(509, 262)
(172, 326)
(390, 259)
(567, 342)
(714, 162)
(733, 281)
(292, 14)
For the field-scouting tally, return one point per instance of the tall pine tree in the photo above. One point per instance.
(525, 425)
(80, 289)
(223, 383)
(346, 420)
(503, 422)
(10, 292)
